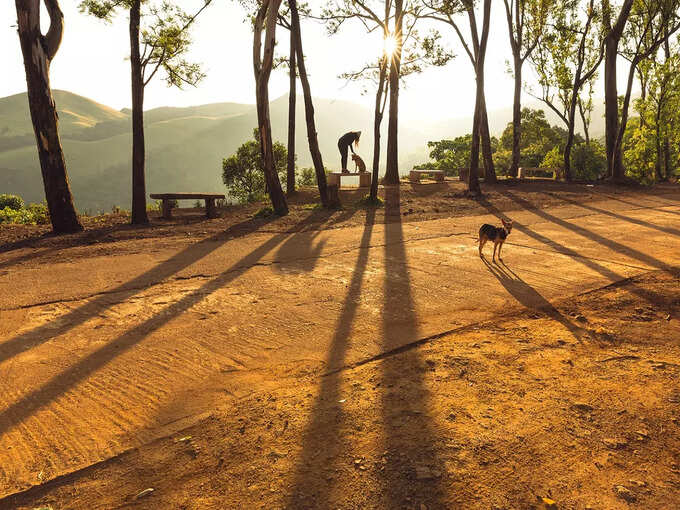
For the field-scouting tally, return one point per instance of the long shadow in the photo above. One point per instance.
(665, 230)
(641, 206)
(413, 468)
(529, 297)
(571, 253)
(322, 445)
(176, 263)
(589, 234)
(61, 383)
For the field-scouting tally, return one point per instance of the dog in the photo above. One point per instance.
(497, 235)
(360, 165)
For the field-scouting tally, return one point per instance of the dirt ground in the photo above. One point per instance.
(353, 359)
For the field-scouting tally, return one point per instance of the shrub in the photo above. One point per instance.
(12, 201)
(307, 177)
(34, 214)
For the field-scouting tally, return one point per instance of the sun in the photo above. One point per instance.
(390, 45)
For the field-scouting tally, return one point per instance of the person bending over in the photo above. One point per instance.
(346, 142)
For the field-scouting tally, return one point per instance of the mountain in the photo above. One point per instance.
(185, 146)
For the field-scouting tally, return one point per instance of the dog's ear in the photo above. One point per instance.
(507, 223)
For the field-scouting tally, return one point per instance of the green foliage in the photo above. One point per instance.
(12, 201)
(243, 172)
(537, 139)
(164, 37)
(639, 151)
(449, 155)
(33, 214)
(588, 161)
(306, 177)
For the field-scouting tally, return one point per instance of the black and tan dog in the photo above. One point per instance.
(496, 235)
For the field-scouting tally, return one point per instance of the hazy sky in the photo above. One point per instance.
(92, 62)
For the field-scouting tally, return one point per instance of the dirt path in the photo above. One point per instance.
(140, 345)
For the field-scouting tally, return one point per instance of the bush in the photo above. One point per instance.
(12, 201)
(34, 214)
(588, 161)
(307, 177)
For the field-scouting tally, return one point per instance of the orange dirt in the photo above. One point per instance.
(360, 367)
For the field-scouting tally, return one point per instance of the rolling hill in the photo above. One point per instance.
(184, 146)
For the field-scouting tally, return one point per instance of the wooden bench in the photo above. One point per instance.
(167, 198)
(364, 178)
(524, 172)
(415, 175)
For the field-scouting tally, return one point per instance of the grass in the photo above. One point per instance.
(367, 202)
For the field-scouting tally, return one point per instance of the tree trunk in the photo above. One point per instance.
(38, 52)
(570, 137)
(584, 121)
(139, 215)
(516, 117)
(379, 109)
(473, 174)
(611, 105)
(657, 164)
(292, 99)
(263, 67)
(489, 170)
(392, 166)
(309, 106)
(611, 45)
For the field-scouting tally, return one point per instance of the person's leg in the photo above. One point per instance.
(343, 158)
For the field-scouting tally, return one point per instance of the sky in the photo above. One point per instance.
(92, 62)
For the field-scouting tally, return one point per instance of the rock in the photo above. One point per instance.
(582, 406)
(580, 318)
(615, 444)
(547, 503)
(625, 494)
(144, 493)
(674, 398)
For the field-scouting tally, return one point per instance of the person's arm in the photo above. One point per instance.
(351, 147)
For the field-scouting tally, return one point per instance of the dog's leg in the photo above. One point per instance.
(482, 242)
(500, 247)
(493, 257)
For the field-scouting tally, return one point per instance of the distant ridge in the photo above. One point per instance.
(186, 145)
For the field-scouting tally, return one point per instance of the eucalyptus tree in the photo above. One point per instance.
(38, 51)
(651, 24)
(567, 59)
(527, 20)
(159, 41)
(263, 60)
(448, 11)
(416, 51)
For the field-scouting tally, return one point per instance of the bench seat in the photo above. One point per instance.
(210, 209)
(364, 178)
(415, 175)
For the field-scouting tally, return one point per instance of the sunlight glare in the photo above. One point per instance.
(390, 45)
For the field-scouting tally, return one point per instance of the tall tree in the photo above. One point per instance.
(416, 52)
(566, 59)
(312, 137)
(651, 23)
(161, 44)
(266, 19)
(526, 22)
(38, 51)
(392, 164)
(612, 36)
(446, 11)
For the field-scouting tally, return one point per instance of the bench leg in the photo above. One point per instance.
(210, 209)
(439, 177)
(364, 180)
(167, 209)
(334, 180)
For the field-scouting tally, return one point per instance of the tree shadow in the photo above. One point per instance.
(38, 398)
(635, 221)
(322, 441)
(174, 264)
(413, 468)
(529, 297)
(603, 270)
(589, 234)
